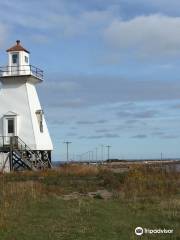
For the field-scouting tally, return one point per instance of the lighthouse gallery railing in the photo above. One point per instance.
(21, 70)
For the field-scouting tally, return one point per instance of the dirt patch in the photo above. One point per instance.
(99, 194)
(103, 194)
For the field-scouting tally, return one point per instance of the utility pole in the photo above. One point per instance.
(89, 157)
(92, 155)
(67, 147)
(108, 151)
(102, 152)
(96, 154)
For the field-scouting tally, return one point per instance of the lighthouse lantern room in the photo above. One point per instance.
(25, 142)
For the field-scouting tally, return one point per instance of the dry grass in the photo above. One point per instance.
(141, 185)
(150, 182)
(79, 170)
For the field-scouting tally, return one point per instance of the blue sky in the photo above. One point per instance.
(111, 71)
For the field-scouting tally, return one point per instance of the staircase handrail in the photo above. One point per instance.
(33, 152)
(17, 143)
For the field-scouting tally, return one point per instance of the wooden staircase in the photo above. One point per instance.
(22, 157)
(20, 163)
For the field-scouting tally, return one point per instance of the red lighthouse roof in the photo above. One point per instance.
(17, 47)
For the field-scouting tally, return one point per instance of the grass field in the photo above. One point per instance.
(89, 202)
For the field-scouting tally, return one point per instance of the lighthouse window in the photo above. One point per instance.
(26, 59)
(39, 114)
(10, 125)
(14, 58)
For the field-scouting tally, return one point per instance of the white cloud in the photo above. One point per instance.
(102, 90)
(40, 38)
(59, 18)
(3, 34)
(70, 103)
(167, 5)
(145, 35)
(69, 25)
(64, 86)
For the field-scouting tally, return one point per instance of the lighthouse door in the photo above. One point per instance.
(9, 129)
(9, 126)
(15, 64)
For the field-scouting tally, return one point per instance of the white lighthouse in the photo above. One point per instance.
(24, 138)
